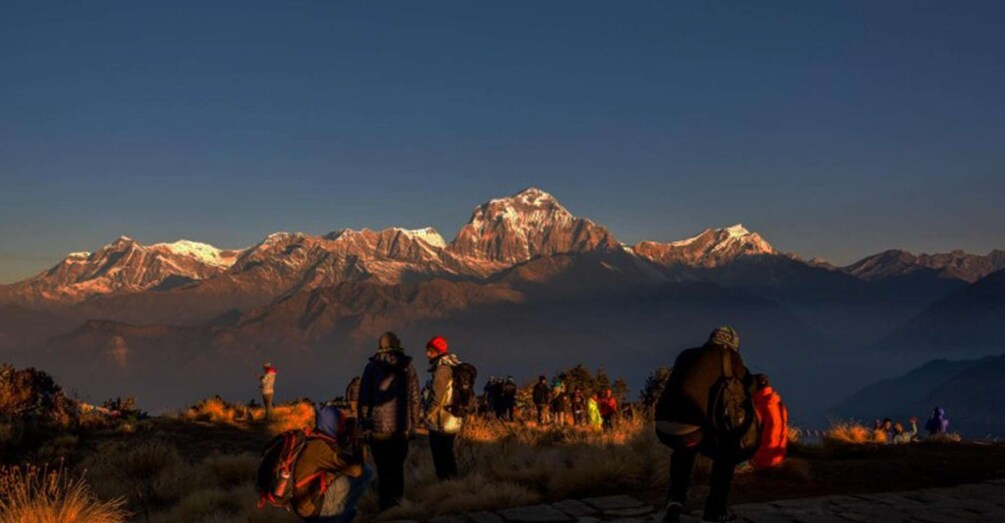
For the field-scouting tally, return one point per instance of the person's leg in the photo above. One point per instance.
(389, 459)
(357, 487)
(444, 460)
(722, 480)
(681, 465)
(267, 401)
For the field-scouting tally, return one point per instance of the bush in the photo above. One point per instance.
(38, 495)
(852, 433)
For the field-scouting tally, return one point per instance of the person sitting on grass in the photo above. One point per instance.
(938, 423)
(903, 436)
(774, 418)
(331, 473)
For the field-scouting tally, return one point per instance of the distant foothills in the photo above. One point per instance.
(526, 286)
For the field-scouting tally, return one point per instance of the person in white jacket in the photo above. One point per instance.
(267, 384)
(443, 426)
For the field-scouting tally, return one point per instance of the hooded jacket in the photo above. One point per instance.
(685, 399)
(321, 462)
(268, 381)
(442, 394)
(938, 423)
(774, 429)
(542, 394)
(389, 402)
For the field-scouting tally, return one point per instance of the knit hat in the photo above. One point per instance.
(389, 341)
(438, 344)
(726, 337)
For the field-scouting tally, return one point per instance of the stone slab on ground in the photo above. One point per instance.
(535, 514)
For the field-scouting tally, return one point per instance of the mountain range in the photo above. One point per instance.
(524, 282)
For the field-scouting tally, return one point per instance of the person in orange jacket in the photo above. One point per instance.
(774, 425)
(608, 408)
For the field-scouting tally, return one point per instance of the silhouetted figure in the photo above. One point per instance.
(542, 396)
(707, 408)
(507, 398)
(352, 395)
(389, 412)
(938, 423)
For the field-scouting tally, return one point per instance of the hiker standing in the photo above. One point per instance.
(332, 469)
(774, 418)
(352, 394)
(507, 398)
(578, 403)
(593, 412)
(707, 407)
(443, 424)
(559, 406)
(938, 423)
(901, 436)
(267, 384)
(389, 414)
(542, 396)
(491, 393)
(608, 409)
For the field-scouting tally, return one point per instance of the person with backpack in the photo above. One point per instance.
(707, 407)
(507, 397)
(318, 474)
(542, 397)
(453, 399)
(267, 384)
(774, 418)
(352, 394)
(389, 412)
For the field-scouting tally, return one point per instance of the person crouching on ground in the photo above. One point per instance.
(774, 418)
(267, 384)
(686, 420)
(443, 426)
(389, 413)
(332, 471)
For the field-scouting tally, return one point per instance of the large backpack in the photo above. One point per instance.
(276, 480)
(732, 415)
(465, 400)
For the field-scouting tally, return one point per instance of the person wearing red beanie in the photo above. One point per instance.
(443, 424)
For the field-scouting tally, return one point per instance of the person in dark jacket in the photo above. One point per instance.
(332, 471)
(542, 396)
(389, 412)
(352, 394)
(938, 423)
(443, 425)
(507, 397)
(578, 404)
(683, 422)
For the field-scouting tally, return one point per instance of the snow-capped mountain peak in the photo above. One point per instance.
(202, 252)
(527, 224)
(711, 248)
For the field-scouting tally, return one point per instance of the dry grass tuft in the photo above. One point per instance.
(852, 433)
(944, 437)
(287, 416)
(35, 495)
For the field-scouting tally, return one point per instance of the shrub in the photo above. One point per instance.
(32, 494)
(852, 433)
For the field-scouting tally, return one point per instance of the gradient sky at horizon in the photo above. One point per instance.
(835, 129)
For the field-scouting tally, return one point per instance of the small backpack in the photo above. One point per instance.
(732, 415)
(465, 400)
(276, 481)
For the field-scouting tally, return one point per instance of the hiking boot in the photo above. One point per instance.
(674, 511)
(724, 518)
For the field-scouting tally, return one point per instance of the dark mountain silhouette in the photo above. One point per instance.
(969, 321)
(969, 390)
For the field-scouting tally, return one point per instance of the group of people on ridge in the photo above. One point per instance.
(711, 405)
(896, 433)
(329, 467)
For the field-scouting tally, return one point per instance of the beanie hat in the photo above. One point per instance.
(726, 337)
(389, 341)
(438, 344)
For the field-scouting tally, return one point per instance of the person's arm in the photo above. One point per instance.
(348, 462)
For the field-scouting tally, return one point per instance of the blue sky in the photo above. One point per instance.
(835, 129)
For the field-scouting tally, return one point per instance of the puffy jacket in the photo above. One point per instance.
(774, 429)
(938, 423)
(696, 371)
(389, 402)
(437, 418)
(268, 381)
(321, 462)
(542, 394)
(593, 412)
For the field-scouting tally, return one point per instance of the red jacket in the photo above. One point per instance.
(608, 406)
(774, 429)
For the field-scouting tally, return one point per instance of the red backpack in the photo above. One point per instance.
(276, 482)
